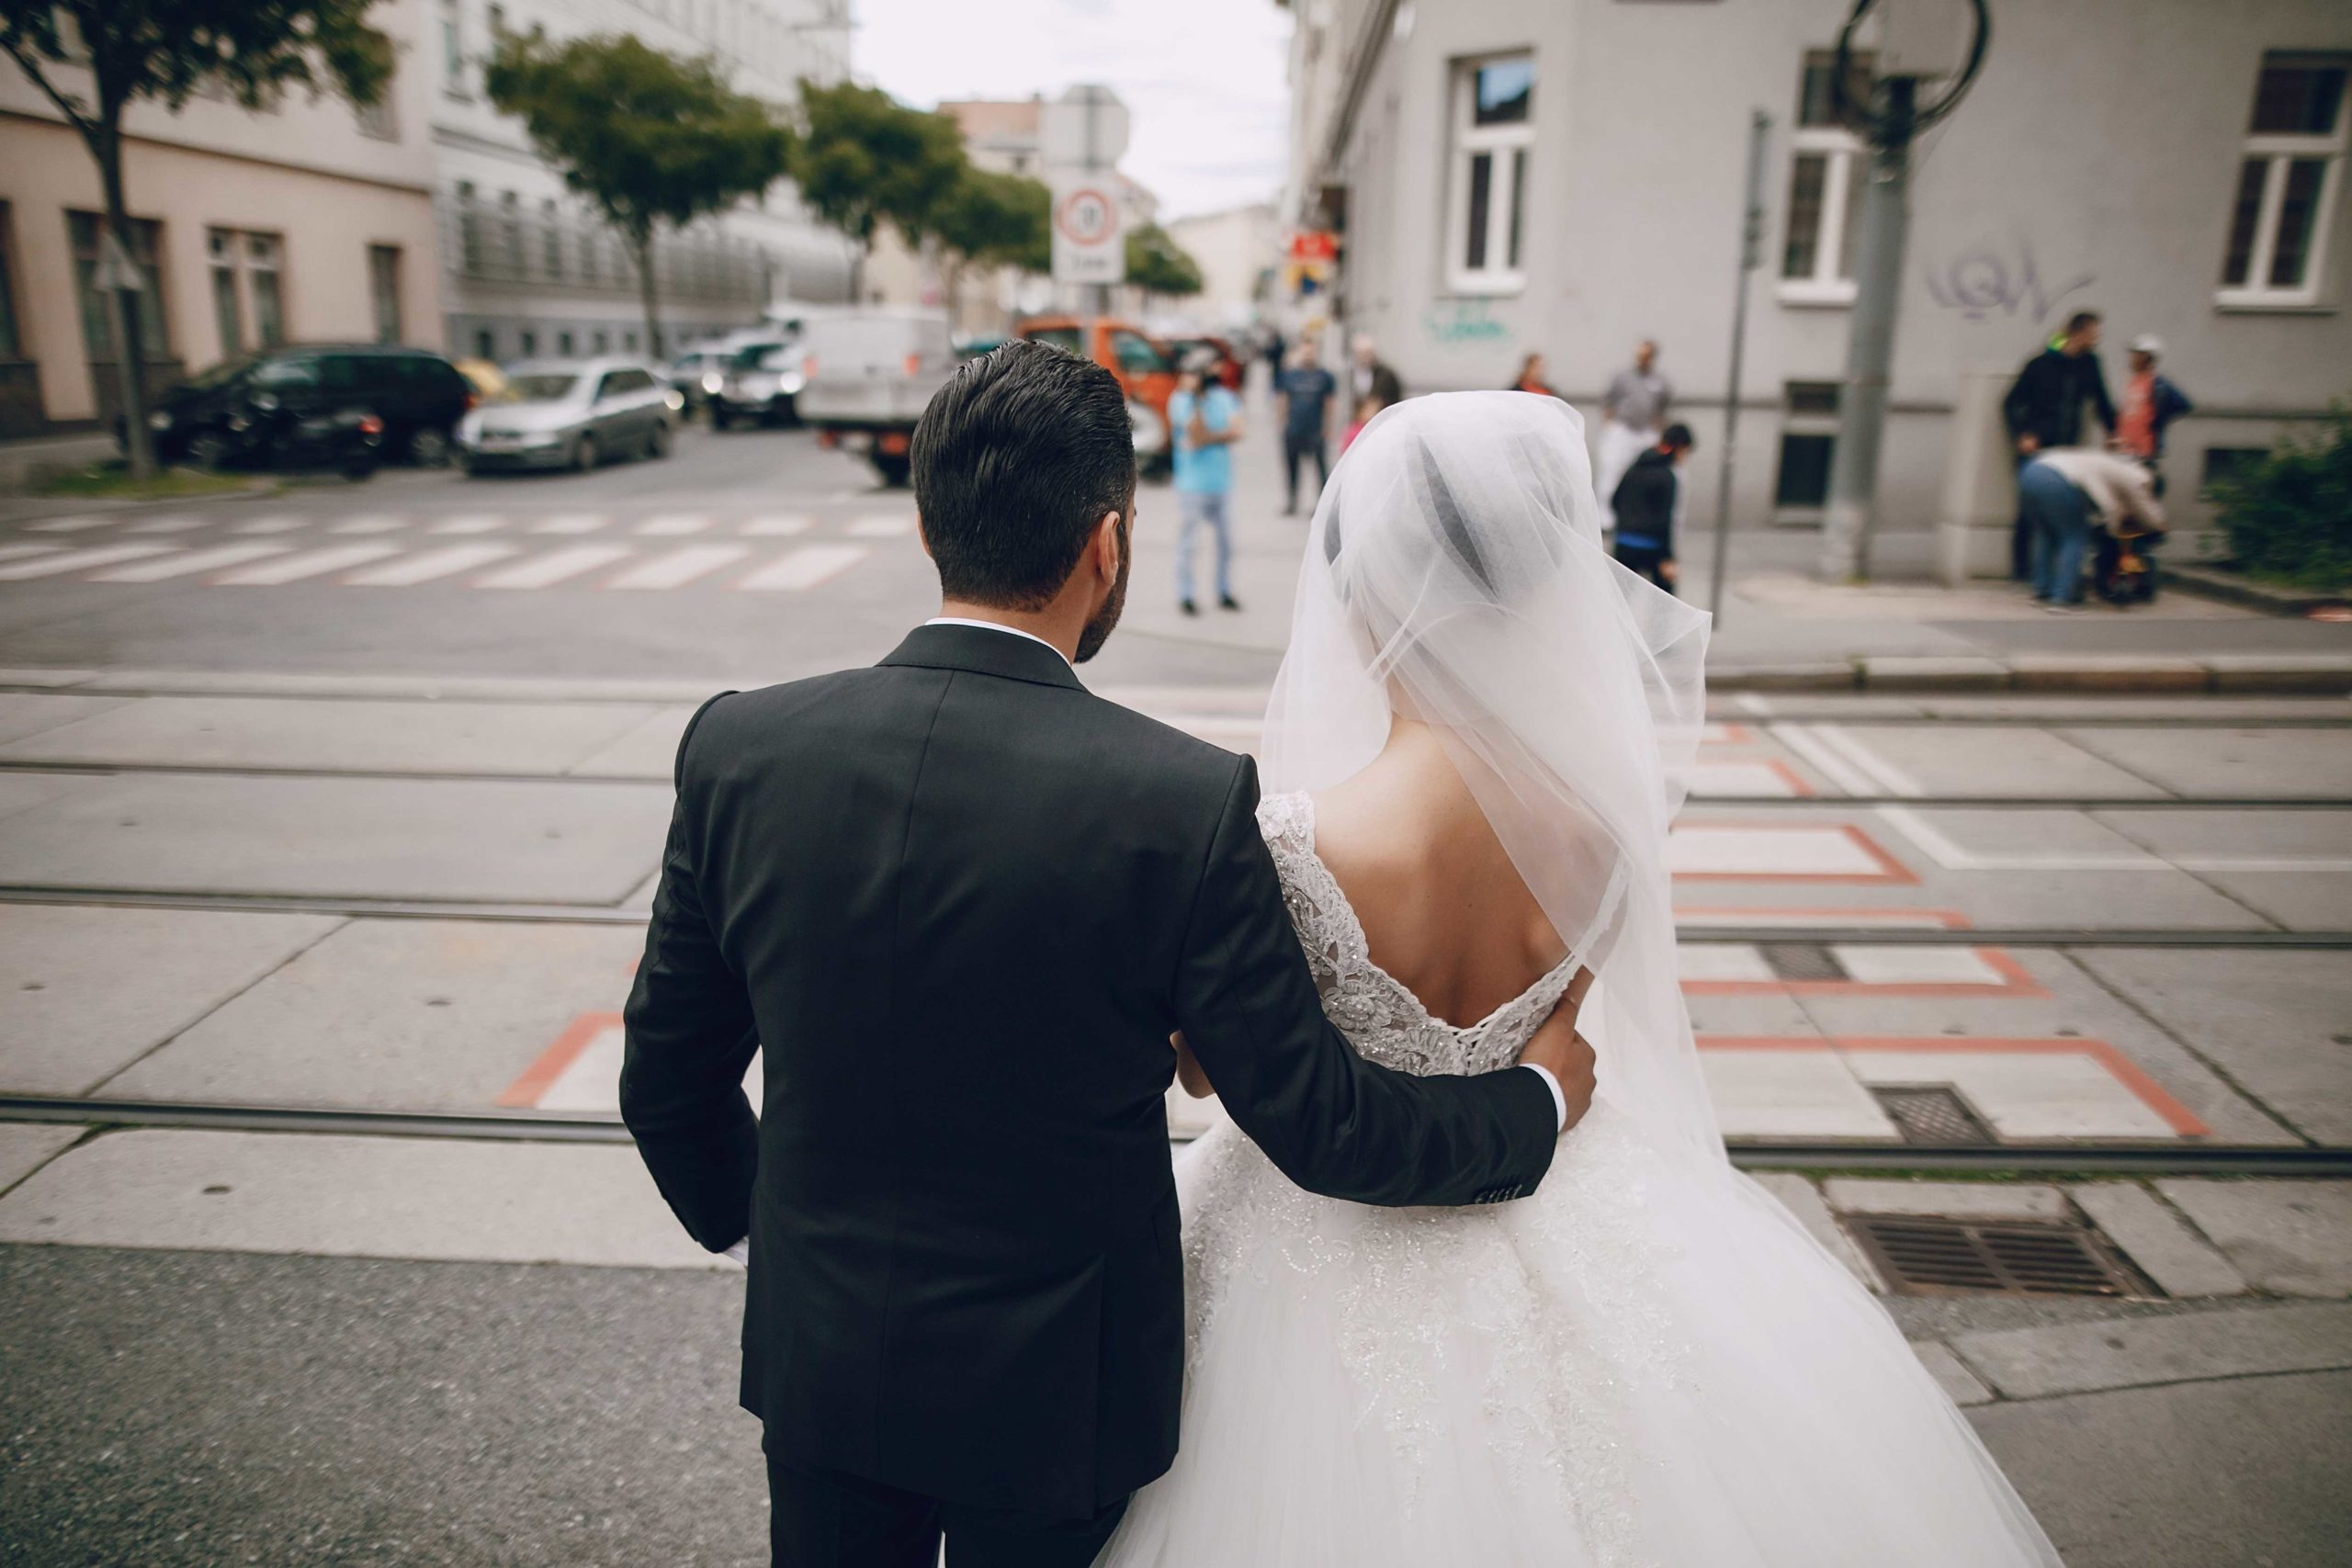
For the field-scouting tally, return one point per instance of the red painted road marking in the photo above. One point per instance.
(539, 1077)
(2121, 1068)
(1890, 870)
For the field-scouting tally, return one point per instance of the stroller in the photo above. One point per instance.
(2123, 565)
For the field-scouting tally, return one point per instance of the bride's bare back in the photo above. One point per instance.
(1442, 906)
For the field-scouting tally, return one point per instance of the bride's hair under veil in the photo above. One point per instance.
(1454, 571)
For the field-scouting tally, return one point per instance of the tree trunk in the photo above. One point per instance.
(648, 291)
(138, 440)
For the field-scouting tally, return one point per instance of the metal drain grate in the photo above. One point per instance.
(1934, 1118)
(1928, 1256)
(1802, 961)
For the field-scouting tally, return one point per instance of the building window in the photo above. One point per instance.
(12, 345)
(227, 316)
(602, 342)
(563, 345)
(629, 341)
(1808, 438)
(528, 340)
(2287, 182)
(468, 231)
(1828, 166)
(510, 215)
(551, 239)
(143, 240)
(2223, 464)
(453, 50)
(1494, 130)
(384, 290)
(378, 120)
(245, 283)
(485, 344)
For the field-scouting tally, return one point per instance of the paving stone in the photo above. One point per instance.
(2159, 1243)
(648, 750)
(2293, 1237)
(26, 1146)
(31, 713)
(2271, 1020)
(331, 734)
(1953, 1200)
(1796, 1094)
(2034, 1363)
(2209, 763)
(1925, 673)
(84, 991)
(1963, 1386)
(353, 1197)
(1802, 1199)
(50, 678)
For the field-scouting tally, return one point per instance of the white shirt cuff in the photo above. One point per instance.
(741, 1251)
(1559, 1100)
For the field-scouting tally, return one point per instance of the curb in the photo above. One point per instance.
(2205, 583)
(2318, 674)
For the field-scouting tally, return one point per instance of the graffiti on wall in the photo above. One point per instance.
(1454, 324)
(1999, 278)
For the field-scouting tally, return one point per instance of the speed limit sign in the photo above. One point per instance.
(1090, 231)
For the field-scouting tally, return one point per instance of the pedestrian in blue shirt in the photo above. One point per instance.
(1306, 391)
(1205, 419)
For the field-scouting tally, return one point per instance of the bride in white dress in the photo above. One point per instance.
(1647, 1362)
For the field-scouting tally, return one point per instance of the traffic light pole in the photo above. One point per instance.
(1853, 470)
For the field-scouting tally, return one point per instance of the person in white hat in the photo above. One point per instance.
(2150, 403)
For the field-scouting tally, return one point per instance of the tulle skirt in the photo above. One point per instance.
(1647, 1362)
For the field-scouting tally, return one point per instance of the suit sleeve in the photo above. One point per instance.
(1333, 1123)
(2099, 399)
(689, 1040)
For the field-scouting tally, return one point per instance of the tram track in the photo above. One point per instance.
(2156, 1159)
(1710, 933)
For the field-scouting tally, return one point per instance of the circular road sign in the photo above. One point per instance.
(1086, 216)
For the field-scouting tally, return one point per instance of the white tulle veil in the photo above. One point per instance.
(1455, 570)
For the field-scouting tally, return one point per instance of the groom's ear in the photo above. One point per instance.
(922, 535)
(1107, 545)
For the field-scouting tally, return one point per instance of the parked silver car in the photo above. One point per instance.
(571, 413)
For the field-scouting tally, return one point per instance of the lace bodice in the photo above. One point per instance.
(1374, 1010)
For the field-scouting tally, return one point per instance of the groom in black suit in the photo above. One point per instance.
(962, 903)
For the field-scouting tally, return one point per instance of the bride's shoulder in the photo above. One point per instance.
(1288, 820)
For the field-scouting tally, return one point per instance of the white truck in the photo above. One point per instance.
(865, 377)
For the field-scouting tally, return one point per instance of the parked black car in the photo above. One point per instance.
(270, 408)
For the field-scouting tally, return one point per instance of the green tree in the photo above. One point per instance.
(648, 138)
(94, 57)
(992, 220)
(864, 158)
(1158, 264)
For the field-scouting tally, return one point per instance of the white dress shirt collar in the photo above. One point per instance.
(998, 626)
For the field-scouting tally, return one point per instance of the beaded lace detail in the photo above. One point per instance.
(1374, 1010)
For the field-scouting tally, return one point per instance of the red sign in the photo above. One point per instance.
(1314, 245)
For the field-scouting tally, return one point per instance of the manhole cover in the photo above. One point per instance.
(1929, 1256)
(1936, 1117)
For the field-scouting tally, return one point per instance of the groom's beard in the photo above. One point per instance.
(1098, 630)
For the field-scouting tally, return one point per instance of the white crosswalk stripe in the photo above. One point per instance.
(680, 567)
(672, 524)
(74, 560)
(467, 525)
(805, 568)
(17, 552)
(569, 523)
(542, 572)
(890, 527)
(167, 525)
(68, 524)
(369, 525)
(187, 563)
(310, 563)
(272, 525)
(775, 527)
(446, 561)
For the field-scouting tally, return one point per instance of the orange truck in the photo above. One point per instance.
(1146, 368)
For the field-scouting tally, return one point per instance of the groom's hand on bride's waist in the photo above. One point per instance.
(1559, 1050)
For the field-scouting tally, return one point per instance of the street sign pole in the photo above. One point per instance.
(1751, 233)
(1082, 133)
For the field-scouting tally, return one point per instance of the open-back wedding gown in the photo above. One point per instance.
(1647, 1362)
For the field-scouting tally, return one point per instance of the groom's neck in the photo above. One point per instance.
(1058, 622)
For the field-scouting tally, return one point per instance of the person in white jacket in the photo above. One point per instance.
(2057, 491)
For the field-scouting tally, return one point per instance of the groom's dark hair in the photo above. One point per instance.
(1015, 461)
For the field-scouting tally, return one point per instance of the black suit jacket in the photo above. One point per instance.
(962, 902)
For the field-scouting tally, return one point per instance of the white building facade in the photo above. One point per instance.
(1564, 177)
(306, 221)
(529, 268)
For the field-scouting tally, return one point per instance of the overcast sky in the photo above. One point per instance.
(1203, 79)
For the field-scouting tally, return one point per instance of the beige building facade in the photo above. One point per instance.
(308, 221)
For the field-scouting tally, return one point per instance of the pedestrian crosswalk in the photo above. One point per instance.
(765, 552)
